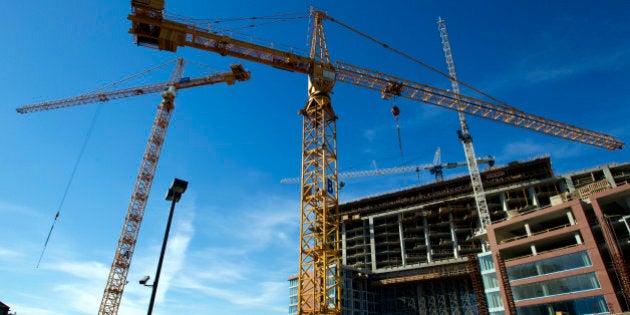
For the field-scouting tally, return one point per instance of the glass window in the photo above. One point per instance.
(486, 263)
(490, 281)
(494, 300)
(551, 265)
(556, 286)
(588, 305)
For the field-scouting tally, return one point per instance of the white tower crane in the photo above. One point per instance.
(465, 137)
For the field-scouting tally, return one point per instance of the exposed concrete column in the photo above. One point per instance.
(528, 231)
(550, 309)
(562, 185)
(453, 235)
(609, 177)
(578, 239)
(344, 247)
(533, 197)
(533, 248)
(401, 235)
(569, 183)
(570, 216)
(372, 243)
(539, 270)
(503, 199)
(426, 238)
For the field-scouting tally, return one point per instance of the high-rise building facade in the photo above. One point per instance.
(414, 251)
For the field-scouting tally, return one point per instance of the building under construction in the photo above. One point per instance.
(557, 244)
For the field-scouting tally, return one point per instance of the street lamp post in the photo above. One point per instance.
(174, 194)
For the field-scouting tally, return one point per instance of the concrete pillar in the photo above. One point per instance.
(609, 177)
(578, 239)
(453, 235)
(401, 236)
(539, 270)
(550, 309)
(570, 217)
(344, 245)
(533, 197)
(427, 241)
(372, 243)
(503, 199)
(533, 248)
(569, 183)
(528, 231)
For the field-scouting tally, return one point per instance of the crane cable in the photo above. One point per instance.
(422, 63)
(84, 145)
(74, 171)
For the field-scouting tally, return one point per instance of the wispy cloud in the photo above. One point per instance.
(232, 269)
(17, 209)
(80, 269)
(604, 62)
(369, 134)
(263, 295)
(7, 254)
(175, 255)
(551, 65)
(527, 149)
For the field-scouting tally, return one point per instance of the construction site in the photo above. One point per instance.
(556, 245)
(509, 238)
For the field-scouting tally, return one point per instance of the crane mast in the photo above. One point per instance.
(319, 286)
(117, 277)
(466, 138)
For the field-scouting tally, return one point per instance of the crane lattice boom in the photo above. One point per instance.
(506, 114)
(238, 73)
(160, 33)
(398, 170)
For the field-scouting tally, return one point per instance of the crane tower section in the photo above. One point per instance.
(319, 285)
(465, 137)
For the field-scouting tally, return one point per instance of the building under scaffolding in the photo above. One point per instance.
(413, 251)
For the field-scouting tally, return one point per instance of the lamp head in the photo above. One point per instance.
(177, 189)
(144, 280)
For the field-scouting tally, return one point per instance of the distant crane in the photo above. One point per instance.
(319, 275)
(436, 168)
(465, 137)
(124, 251)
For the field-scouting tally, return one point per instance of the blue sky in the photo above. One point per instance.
(234, 240)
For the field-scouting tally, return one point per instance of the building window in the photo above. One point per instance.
(551, 265)
(494, 300)
(486, 263)
(490, 281)
(588, 305)
(559, 286)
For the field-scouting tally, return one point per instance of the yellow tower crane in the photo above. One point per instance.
(131, 227)
(319, 283)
